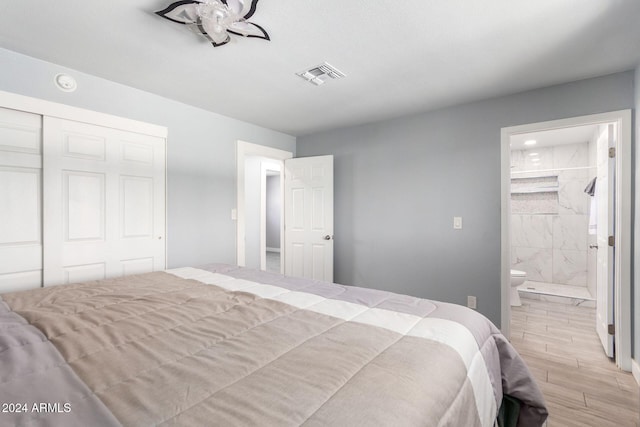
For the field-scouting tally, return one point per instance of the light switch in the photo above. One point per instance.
(234, 214)
(457, 222)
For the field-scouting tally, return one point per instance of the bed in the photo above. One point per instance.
(224, 345)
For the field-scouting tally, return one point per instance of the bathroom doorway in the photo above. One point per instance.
(556, 224)
(553, 218)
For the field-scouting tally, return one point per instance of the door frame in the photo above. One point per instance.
(622, 285)
(243, 150)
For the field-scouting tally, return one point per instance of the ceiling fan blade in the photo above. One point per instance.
(236, 6)
(249, 29)
(182, 12)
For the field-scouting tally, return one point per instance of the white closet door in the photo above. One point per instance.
(104, 202)
(20, 200)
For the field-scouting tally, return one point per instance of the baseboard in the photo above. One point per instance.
(273, 250)
(635, 370)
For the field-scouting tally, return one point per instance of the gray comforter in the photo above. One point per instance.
(223, 345)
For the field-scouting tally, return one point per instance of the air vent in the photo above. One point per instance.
(321, 73)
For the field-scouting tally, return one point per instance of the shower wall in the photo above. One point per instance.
(550, 213)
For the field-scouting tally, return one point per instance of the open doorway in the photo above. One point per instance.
(307, 202)
(271, 219)
(562, 213)
(253, 163)
(549, 223)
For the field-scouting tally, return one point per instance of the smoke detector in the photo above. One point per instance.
(65, 82)
(319, 74)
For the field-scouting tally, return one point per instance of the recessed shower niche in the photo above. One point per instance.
(534, 195)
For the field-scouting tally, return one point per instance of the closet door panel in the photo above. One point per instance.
(20, 188)
(13, 282)
(136, 202)
(85, 273)
(83, 199)
(20, 132)
(84, 146)
(20, 200)
(104, 202)
(137, 266)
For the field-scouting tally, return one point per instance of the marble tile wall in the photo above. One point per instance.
(551, 244)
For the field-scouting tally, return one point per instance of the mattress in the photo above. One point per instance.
(223, 345)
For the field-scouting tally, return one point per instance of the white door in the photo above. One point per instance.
(308, 217)
(104, 202)
(20, 200)
(605, 228)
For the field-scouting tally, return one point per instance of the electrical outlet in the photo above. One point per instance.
(471, 302)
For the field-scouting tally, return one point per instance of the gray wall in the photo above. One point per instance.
(200, 152)
(399, 183)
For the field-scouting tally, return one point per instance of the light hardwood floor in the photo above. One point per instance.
(581, 385)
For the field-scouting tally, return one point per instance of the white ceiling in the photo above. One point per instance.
(549, 138)
(399, 57)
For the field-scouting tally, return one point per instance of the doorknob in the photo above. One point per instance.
(593, 246)
(328, 237)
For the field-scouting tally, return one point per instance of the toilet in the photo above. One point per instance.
(517, 278)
